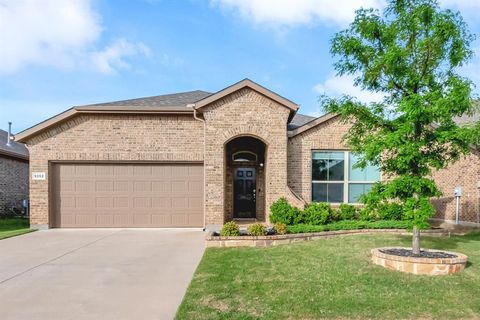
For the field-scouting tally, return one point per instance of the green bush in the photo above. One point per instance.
(347, 212)
(230, 229)
(283, 212)
(390, 211)
(280, 228)
(350, 225)
(318, 213)
(256, 229)
(382, 211)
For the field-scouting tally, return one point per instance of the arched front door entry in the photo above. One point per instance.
(244, 192)
(245, 178)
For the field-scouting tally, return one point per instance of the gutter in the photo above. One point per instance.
(204, 167)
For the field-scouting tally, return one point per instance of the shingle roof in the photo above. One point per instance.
(470, 118)
(17, 150)
(181, 99)
(299, 120)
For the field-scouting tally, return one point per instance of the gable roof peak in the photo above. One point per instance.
(252, 85)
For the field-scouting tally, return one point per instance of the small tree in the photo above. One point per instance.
(410, 53)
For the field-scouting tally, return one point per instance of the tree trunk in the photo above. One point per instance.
(416, 240)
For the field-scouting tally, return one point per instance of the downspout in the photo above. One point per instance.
(204, 167)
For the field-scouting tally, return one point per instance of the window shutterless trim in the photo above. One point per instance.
(346, 173)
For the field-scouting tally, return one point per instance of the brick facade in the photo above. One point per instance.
(328, 136)
(182, 138)
(105, 137)
(13, 183)
(325, 136)
(243, 113)
(464, 173)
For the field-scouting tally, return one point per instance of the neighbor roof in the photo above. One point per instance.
(470, 118)
(15, 149)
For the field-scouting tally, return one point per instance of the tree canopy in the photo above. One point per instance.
(411, 53)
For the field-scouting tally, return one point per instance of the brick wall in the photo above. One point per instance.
(89, 137)
(326, 136)
(244, 113)
(466, 174)
(13, 183)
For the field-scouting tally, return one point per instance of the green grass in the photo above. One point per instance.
(330, 278)
(10, 227)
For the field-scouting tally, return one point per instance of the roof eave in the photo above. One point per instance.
(14, 155)
(36, 129)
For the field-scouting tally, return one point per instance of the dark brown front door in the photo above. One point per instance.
(244, 193)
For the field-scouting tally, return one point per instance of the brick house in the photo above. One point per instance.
(194, 159)
(13, 174)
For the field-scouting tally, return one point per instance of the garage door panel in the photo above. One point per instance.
(128, 195)
(122, 186)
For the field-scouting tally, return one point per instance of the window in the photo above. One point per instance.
(334, 178)
(244, 156)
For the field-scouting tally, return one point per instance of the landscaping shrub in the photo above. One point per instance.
(283, 212)
(351, 225)
(390, 211)
(318, 213)
(280, 228)
(230, 229)
(347, 212)
(256, 229)
(382, 211)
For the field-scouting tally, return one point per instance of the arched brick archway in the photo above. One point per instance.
(245, 189)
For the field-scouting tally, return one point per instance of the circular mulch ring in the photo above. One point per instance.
(429, 262)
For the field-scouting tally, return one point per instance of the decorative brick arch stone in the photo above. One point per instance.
(246, 131)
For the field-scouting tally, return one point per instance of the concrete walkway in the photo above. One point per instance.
(97, 273)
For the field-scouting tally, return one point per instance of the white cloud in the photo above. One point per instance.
(337, 86)
(290, 13)
(113, 56)
(299, 12)
(62, 34)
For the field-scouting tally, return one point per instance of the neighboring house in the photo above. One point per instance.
(13, 174)
(192, 159)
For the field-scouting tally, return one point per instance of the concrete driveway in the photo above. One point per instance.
(97, 273)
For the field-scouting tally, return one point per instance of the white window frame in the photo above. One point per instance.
(346, 175)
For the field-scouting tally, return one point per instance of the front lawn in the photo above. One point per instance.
(330, 278)
(10, 227)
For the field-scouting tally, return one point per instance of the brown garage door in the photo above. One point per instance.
(127, 195)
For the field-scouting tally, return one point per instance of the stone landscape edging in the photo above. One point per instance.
(420, 265)
(274, 240)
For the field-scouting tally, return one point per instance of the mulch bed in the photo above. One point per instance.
(423, 254)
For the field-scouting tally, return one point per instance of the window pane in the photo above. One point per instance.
(327, 192)
(336, 170)
(370, 173)
(335, 192)
(355, 190)
(319, 169)
(328, 155)
(319, 192)
(328, 166)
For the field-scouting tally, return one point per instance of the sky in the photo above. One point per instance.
(55, 54)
